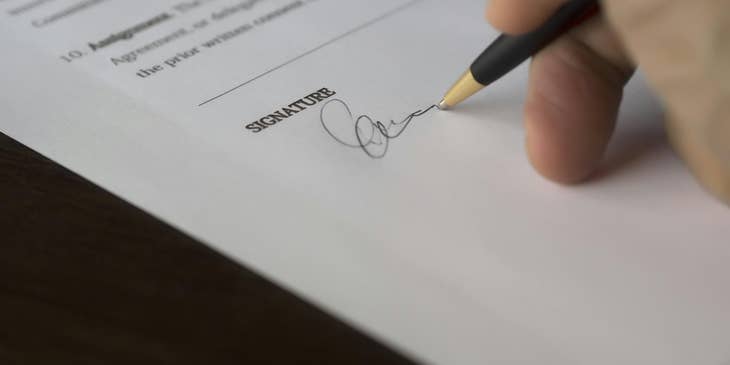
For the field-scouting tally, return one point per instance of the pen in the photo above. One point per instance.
(508, 51)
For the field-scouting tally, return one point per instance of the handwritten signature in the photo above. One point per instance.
(363, 132)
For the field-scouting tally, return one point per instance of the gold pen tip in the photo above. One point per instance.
(443, 105)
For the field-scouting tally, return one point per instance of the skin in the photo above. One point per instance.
(576, 83)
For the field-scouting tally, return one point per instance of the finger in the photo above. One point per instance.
(706, 150)
(687, 66)
(576, 86)
(520, 16)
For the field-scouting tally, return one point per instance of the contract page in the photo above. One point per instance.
(301, 138)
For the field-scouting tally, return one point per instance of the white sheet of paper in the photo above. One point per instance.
(449, 248)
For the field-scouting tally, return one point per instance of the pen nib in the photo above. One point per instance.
(443, 106)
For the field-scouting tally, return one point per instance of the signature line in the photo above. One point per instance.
(325, 44)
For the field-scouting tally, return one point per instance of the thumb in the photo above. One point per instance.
(683, 48)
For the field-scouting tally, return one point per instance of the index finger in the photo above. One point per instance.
(520, 16)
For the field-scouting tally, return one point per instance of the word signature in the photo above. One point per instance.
(363, 132)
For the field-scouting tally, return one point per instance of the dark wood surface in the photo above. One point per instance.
(86, 278)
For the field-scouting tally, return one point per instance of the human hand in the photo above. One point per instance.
(576, 83)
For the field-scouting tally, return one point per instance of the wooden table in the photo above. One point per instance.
(86, 278)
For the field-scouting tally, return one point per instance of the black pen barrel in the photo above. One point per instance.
(509, 51)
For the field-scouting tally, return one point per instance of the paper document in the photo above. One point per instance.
(301, 139)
